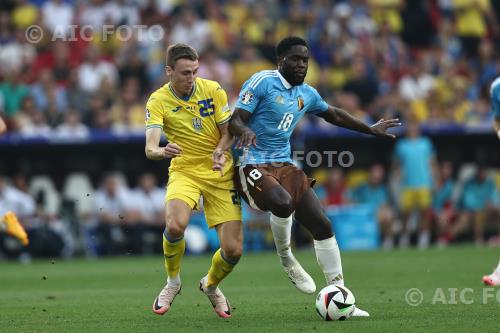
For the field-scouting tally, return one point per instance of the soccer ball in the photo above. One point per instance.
(335, 302)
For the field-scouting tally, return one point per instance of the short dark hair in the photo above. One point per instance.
(287, 43)
(180, 51)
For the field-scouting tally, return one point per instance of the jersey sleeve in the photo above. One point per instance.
(251, 93)
(154, 113)
(318, 104)
(222, 110)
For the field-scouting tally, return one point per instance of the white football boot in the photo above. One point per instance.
(493, 279)
(360, 313)
(219, 302)
(299, 277)
(165, 298)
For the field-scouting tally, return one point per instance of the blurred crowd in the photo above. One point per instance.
(426, 62)
(417, 200)
(429, 60)
(110, 217)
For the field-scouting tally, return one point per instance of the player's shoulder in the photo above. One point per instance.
(426, 140)
(208, 85)
(158, 95)
(310, 89)
(400, 143)
(262, 79)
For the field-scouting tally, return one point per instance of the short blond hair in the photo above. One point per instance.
(180, 51)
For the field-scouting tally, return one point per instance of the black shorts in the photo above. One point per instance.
(253, 180)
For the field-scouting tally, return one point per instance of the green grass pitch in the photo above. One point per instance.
(115, 295)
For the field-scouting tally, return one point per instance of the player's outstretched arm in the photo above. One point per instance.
(339, 117)
(153, 149)
(226, 138)
(225, 142)
(238, 128)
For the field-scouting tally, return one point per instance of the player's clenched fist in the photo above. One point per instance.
(171, 150)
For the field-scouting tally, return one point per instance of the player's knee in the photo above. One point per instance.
(232, 251)
(175, 229)
(282, 207)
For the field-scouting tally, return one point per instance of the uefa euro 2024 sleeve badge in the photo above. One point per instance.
(247, 97)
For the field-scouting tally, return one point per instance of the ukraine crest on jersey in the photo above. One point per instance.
(276, 108)
(192, 124)
(495, 97)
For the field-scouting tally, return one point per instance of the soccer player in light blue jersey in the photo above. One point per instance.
(270, 105)
(494, 278)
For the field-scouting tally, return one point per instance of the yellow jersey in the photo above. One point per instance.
(192, 124)
(470, 20)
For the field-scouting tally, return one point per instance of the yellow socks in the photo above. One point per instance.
(173, 251)
(220, 268)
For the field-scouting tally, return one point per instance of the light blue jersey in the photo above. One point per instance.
(495, 97)
(477, 194)
(276, 108)
(374, 195)
(414, 156)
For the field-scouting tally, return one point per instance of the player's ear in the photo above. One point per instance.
(279, 61)
(169, 70)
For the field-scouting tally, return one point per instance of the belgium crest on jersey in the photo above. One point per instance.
(300, 103)
(197, 124)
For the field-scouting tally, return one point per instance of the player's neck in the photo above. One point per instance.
(287, 80)
(180, 94)
(284, 76)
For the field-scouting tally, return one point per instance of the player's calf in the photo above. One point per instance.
(282, 229)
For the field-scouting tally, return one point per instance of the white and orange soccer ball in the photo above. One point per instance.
(335, 302)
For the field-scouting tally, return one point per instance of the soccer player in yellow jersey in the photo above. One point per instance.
(9, 222)
(194, 115)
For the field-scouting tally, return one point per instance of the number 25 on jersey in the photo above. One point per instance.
(207, 107)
